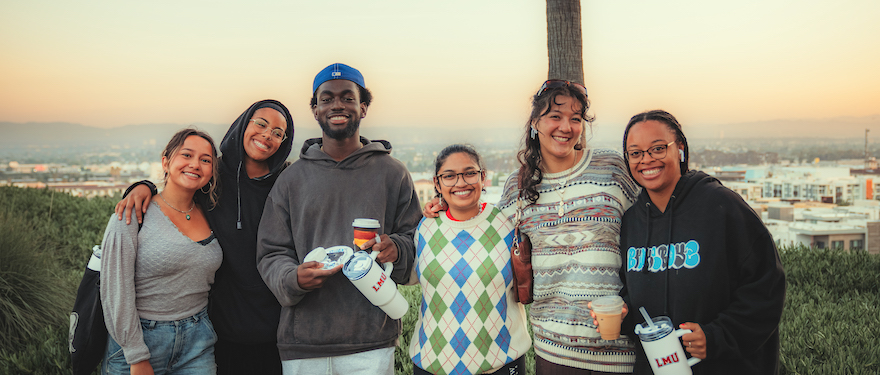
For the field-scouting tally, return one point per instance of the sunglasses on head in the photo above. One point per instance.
(554, 83)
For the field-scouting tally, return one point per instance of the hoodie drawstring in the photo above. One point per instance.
(647, 235)
(238, 193)
(669, 249)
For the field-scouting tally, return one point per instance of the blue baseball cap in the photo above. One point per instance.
(338, 71)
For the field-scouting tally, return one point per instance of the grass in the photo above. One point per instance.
(34, 299)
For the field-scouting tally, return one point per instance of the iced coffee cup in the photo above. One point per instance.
(608, 311)
(364, 230)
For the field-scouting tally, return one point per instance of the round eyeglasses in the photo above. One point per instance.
(657, 152)
(263, 126)
(450, 179)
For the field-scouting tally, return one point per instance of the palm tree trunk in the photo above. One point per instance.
(564, 42)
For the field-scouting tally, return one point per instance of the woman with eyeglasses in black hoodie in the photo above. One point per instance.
(694, 251)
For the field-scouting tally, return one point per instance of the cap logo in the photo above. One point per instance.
(338, 71)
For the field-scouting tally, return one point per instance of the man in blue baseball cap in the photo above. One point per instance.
(325, 321)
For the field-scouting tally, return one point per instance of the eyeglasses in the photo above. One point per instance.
(451, 179)
(554, 83)
(262, 126)
(656, 152)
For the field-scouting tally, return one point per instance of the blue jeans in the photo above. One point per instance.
(371, 362)
(180, 347)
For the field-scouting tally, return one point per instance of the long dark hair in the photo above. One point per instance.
(529, 157)
(665, 118)
(176, 143)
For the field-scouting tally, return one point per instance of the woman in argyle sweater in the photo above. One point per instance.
(469, 321)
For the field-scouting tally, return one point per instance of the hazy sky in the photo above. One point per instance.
(453, 62)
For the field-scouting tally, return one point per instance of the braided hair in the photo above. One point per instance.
(669, 120)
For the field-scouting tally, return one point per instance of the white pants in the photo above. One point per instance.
(373, 362)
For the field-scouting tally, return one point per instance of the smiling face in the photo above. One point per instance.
(191, 166)
(657, 176)
(559, 131)
(259, 143)
(463, 199)
(338, 109)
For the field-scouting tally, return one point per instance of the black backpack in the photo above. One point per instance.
(87, 340)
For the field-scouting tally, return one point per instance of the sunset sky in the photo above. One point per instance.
(455, 63)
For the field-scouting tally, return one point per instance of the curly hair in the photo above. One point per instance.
(529, 157)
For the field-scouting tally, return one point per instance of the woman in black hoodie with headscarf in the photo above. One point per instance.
(243, 310)
(694, 251)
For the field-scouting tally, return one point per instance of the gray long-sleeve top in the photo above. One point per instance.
(156, 273)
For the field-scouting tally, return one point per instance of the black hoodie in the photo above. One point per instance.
(242, 308)
(725, 274)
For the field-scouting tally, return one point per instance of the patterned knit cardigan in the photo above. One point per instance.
(468, 322)
(576, 258)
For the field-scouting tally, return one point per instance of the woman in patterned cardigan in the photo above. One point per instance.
(469, 321)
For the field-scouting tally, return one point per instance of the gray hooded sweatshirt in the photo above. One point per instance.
(313, 204)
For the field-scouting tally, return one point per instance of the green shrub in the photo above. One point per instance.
(46, 353)
(32, 295)
(402, 362)
(70, 225)
(831, 320)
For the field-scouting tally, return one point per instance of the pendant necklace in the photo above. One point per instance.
(175, 208)
(562, 186)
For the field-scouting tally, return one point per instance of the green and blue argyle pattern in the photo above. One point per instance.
(465, 273)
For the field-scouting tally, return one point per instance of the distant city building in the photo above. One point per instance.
(424, 185)
(854, 227)
(90, 189)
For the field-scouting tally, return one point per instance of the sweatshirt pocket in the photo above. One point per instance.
(336, 314)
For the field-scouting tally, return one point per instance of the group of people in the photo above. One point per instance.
(214, 279)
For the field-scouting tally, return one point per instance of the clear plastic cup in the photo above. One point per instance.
(608, 311)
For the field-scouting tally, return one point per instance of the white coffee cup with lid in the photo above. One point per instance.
(663, 347)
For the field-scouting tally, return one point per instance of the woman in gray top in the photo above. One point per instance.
(155, 279)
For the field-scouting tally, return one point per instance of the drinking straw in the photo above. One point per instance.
(647, 317)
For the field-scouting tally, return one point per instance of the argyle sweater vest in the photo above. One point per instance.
(469, 322)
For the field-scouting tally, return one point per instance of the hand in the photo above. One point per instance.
(623, 311)
(311, 275)
(433, 208)
(386, 248)
(142, 368)
(139, 198)
(694, 342)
